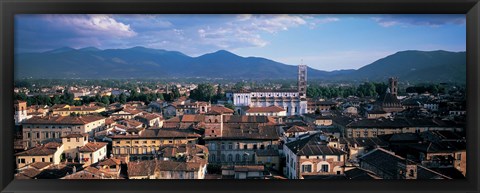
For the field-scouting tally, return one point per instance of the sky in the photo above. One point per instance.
(323, 42)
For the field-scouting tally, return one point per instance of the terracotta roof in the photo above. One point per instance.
(79, 108)
(312, 145)
(245, 131)
(265, 109)
(161, 133)
(132, 111)
(245, 119)
(40, 165)
(75, 135)
(63, 120)
(249, 168)
(296, 129)
(141, 168)
(220, 110)
(109, 121)
(90, 173)
(110, 162)
(29, 173)
(92, 147)
(149, 116)
(47, 149)
(388, 163)
(192, 118)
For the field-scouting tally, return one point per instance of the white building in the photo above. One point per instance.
(20, 111)
(294, 102)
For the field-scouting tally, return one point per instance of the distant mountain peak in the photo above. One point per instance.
(90, 49)
(61, 50)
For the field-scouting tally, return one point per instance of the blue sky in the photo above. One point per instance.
(324, 42)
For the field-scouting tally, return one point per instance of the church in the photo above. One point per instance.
(294, 102)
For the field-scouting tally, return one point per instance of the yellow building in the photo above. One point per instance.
(81, 110)
(146, 142)
(40, 129)
(48, 153)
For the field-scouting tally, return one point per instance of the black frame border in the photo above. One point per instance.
(8, 8)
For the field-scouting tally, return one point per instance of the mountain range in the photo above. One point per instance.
(141, 62)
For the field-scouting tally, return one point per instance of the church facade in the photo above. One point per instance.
(294, 102)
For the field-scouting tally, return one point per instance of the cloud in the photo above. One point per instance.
(419, 20)
(92, 25)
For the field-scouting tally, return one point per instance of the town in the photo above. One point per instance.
(372, 130)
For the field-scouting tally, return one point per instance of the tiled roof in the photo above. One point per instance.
(110, 162)
(40, 165)
(161, 133)
(312, 145)
(245, 119)
(296, 129)
(75, 135)
(92, 147)
(47, 149)
(243, 131)
(63, 120)
(90, 173)
(220, 110)
(249, 168)
(141, 168)
(388, 163)
(269, 109)
(366, 142)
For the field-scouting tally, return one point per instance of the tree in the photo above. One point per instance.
(105, 100)
(122, 98)
(230, 106)
(204, 92)
(175, 92)
(56, 99)
(239, 86)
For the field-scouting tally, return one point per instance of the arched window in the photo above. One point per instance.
(237, 157)
(230, 157)
(213, 158)
(209, 120)
(216, 120)
(223, 157)
(245, 157)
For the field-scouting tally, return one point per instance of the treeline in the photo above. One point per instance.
(432, 89)
(68, 98)
(207, 92)
(367, 89)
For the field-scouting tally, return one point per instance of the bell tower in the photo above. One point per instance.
(302, 81)
(393, 85)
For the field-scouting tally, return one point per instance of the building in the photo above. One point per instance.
(312, 155)
(236, 144)
(356, 147)
(145, 143)
(150, 120)
(166, 169)
(387, 165)
(320, 106)
(47, 153)
(37, 130)
(90, 173)
(384, 126)
(20, 108)
(67, 110)
(294, 102)
(389, 101)
(266, 111)
(77, 147)
(243, 172)
(318, 119)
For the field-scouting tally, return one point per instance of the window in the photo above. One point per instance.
(68, 139)
(21, 160)
(338, 158)
(245, 146)
(128, 142)
(262, 146)
(136, 142)
(38, 134)
(459, 156)
(255, 146)
(230, 146)
(307, 168)
(223, 157)
(78, 139)
(237, 157)
(230, 157)
(324, 168)
(43, 159)
(170, 142)
(117, 142)
(144, 142)
(152, 142)
(33, 160)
